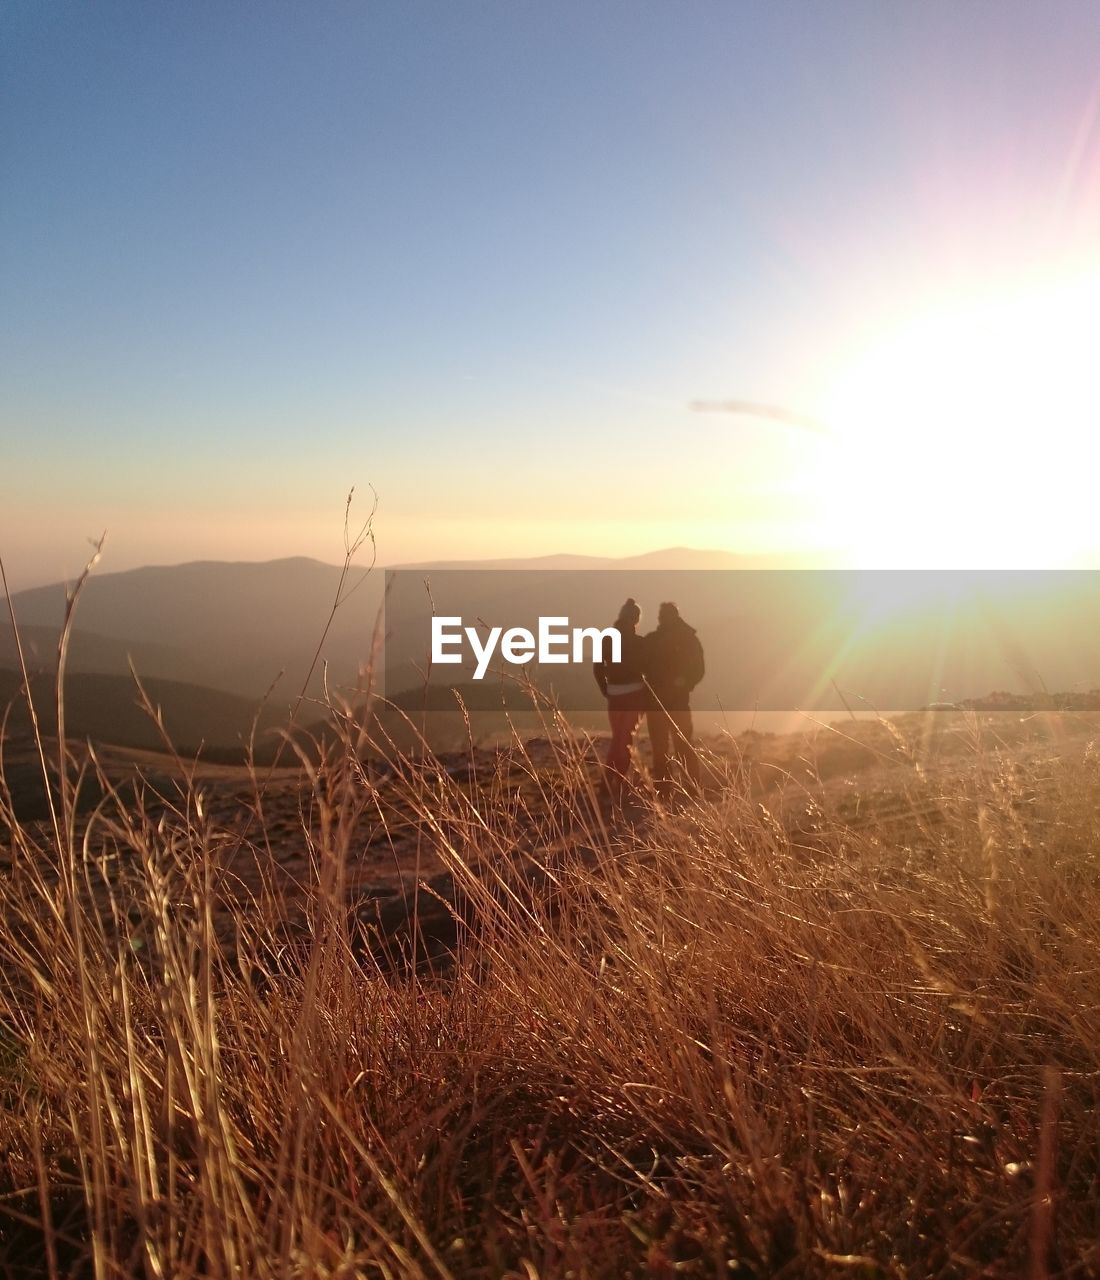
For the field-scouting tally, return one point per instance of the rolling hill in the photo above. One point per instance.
(107, 709)
(774, 637)
(235, 626)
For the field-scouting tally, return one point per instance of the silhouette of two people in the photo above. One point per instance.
(654, 677)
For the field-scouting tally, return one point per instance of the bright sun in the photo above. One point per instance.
(969, 434)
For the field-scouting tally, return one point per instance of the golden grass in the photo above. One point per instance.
(687, 1045)
(702, 1041)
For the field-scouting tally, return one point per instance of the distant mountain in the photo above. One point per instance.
(225, 625)
(774, 637)
(234, 626)
(106, 709)
(677, 558)
(90, 652)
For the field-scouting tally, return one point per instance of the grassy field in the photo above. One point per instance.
(453, 1017)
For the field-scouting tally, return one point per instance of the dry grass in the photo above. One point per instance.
(701, 1047)
(704, 1041)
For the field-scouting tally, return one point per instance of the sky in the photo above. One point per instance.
(484, 256)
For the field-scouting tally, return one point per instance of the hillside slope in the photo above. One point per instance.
(106, 708)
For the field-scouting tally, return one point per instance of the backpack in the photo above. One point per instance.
(693, 666)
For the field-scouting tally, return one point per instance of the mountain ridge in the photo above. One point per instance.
(238, 625)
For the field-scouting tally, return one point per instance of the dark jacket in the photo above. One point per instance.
(630, 669)
(673, 663)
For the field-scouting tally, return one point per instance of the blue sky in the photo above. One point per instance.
(482, 255)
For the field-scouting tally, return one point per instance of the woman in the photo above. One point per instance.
(623, 685)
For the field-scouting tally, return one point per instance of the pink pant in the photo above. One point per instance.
(624, 711)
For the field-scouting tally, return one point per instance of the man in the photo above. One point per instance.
(674, 666)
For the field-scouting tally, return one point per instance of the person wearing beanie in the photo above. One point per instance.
(623, 684)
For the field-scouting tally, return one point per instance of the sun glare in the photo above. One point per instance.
(967, 435)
